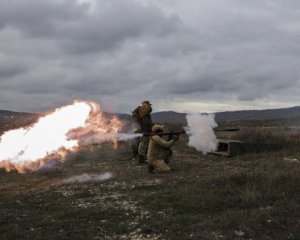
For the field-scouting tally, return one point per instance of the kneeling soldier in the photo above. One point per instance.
(159, 150)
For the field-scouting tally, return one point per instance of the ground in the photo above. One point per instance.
(249, 196)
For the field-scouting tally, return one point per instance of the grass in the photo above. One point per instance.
(250, 196)
(233, 200)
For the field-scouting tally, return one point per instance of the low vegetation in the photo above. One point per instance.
(254, 195)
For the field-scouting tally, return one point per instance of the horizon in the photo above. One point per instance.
(161, 111)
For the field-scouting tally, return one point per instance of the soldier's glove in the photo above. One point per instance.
(175, 137)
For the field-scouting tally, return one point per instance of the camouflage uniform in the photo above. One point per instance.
(159, 151)
(135, 144)
(145, 126)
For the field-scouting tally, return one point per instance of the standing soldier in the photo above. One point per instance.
(143, 118)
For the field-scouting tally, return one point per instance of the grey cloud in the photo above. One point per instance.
(112, 23)
(79, 29)
(55, 51)
(10, 69)
(38, 18)
(252, 95)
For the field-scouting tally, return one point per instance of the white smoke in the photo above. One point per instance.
(200, 131)
(128, 136)
(98, 138)
(89, 178)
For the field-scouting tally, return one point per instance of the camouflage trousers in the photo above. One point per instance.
(143, 146)
(161, 166)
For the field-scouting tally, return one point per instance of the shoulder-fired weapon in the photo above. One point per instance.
(184, 132)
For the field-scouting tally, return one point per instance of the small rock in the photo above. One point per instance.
(239, 233)
(291, 159)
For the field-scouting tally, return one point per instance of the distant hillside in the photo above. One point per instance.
(10, 119)
(268, 114)
(8, 116)
(169, 116)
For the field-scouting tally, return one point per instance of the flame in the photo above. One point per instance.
(97, 128)
(53, 135)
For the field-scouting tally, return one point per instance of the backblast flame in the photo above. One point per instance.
(97, 129)
(53, 135)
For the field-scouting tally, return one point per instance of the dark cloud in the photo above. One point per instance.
(80, 29)
(167, 51)
(39, 18)
(10, 69)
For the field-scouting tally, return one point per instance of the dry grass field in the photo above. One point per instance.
(255, 195)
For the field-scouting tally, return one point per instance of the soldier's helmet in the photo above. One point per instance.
(157, 128)
(146, 102)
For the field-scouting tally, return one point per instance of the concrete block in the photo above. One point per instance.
(229, 148)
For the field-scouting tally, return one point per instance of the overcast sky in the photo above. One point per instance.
(186, 56)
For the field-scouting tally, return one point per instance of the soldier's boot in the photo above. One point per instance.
(141, 159)
(150, 168)
(169, 157)
(168, 160)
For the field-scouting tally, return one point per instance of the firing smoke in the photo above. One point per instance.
(89, 178)
(98, 138)
(201, 133)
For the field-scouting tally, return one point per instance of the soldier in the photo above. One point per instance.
(143, 118)
(159, 152)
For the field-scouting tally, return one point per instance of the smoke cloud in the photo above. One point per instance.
(89, 178)
(98, 138)
(201, 133)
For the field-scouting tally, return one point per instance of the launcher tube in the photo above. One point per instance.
(183, 132)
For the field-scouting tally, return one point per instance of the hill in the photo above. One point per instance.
(7, 116)
(11, 120)
(169, 116)
(268, 114)
(291, 114)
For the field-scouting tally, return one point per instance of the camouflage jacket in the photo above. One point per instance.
(158, 148)
(146, 121)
